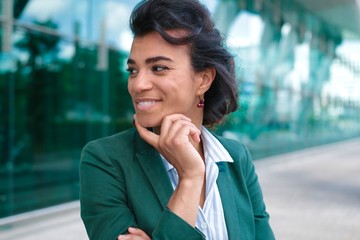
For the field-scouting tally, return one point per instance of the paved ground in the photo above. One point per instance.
(310, 194)
(57, 223)
(314, 193)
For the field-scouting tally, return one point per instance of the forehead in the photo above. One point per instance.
(152, 45)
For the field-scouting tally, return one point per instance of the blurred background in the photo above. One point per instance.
(63, 83)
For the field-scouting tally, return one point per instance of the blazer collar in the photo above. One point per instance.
(151, 163)
(228, 200)
(234, 195)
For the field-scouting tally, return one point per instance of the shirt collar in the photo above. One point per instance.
(213, 149)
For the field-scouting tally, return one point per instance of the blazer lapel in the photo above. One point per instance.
(225, 186)
(152, 165)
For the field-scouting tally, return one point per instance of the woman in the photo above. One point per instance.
(169, 177)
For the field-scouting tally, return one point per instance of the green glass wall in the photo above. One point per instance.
(63, 83)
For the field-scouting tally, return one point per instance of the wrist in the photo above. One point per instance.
(191, 182)
(193, 173)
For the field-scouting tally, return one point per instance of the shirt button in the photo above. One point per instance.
(204, 226)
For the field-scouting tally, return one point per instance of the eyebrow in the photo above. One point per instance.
(151, 60)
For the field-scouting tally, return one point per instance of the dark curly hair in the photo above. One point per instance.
(205, 42)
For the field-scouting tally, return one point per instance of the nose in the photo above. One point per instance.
(141, 82)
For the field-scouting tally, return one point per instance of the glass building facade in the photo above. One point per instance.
(63, 83)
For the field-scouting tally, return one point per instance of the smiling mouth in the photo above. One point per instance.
(146, 105)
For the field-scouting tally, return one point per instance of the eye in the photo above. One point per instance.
(158, 68)
(132, 71)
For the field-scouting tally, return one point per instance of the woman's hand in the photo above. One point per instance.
(176, 142)
(134, 234)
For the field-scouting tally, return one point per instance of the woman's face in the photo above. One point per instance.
(162, 80)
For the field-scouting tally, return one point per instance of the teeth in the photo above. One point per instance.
(147, 103)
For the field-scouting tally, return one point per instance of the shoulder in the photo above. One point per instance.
(236, 149)
(124, 138)
(114, 146)
(239, 153)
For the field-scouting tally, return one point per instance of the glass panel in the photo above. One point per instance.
(54, 101)
(295, 74)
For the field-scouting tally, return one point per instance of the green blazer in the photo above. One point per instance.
(123, 183)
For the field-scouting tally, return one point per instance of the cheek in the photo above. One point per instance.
(129, 87)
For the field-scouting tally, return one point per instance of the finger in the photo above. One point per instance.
(168, 121)
(131, 237)
(195, 134)
(138, 232)
(181, 131)
(191, 132)
(134, 234)
(147, 135)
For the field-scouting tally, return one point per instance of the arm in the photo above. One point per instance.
(102, 195)
(175, 142)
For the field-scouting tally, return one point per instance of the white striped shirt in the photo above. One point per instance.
(210, 219)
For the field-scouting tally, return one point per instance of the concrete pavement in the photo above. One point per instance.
(310, 194)
(60, 222)
(314, 193)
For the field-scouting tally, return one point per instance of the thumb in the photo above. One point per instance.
(146, 135)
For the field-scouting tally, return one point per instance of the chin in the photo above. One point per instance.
(148, 123)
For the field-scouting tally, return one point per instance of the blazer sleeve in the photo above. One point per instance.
(172, 227)
(102, 195)
(263, 230)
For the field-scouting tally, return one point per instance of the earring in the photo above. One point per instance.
(201, 103)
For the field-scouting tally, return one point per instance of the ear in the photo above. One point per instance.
(206, 78)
